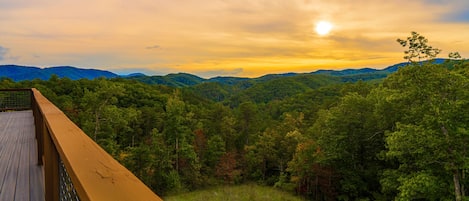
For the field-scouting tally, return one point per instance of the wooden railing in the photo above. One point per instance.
(15, 99)
(74, 165)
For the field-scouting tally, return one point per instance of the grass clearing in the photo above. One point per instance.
(248, 192)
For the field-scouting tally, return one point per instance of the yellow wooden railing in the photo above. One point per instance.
(74, 165)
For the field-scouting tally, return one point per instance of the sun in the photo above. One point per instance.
(323, 28)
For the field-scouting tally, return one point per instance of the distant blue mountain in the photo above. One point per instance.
(346, 71)
(387, 70)
(20, 73)
(133, 75)
(173, 80)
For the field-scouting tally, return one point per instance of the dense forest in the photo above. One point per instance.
(402, 137)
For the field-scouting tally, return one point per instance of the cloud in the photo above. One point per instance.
(456, 11)
(460, 15)
(3, 52)
(153, 47)
(366, 44)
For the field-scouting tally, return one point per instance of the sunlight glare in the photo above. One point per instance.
(323, 28)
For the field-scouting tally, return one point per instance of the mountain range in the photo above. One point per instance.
(347, 75)
(20, 73)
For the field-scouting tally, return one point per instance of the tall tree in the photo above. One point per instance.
(179, 135)
(431, 138)
(95, 103)
(349, 138)
(418, 48)
(248, 123)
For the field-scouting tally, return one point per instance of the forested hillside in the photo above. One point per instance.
(402, 138)
(20, 73)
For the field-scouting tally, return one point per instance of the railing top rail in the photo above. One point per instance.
(94, 173)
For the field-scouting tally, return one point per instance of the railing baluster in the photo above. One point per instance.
(15, 99)
(39, 128)
(67, 190)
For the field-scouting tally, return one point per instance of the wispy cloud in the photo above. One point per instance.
(153, 47)
(456, 11)
(460, 15)
(3, 52)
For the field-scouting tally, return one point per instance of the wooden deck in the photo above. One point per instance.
(20, 176)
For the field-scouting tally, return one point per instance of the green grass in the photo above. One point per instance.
(248, 192)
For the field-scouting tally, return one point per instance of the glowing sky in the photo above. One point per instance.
(224, 37)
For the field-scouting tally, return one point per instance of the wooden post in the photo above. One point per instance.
(51, 167)
(39, 128)
(40, 141)
(31, 99)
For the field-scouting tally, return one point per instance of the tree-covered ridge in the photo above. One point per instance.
(188, 80)
(403, 138)
(21, 73)
(175, 140)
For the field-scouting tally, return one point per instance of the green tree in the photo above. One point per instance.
(95, 102)
(215, 150)
(248, 119)
(267, 158)
(418, 48)
(228, 132)
(432, 135)
(6, 83)
(179, 136)
(262, 154)
(349, 138)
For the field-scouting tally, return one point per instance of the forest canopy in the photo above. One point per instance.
(403, 137)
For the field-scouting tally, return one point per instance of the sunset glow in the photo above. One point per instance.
(228, 38)
(323, 28)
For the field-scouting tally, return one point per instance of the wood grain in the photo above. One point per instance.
(20, 177)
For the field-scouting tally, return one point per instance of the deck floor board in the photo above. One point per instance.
(21, 179)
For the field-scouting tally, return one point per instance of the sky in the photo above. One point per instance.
(208, 38)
